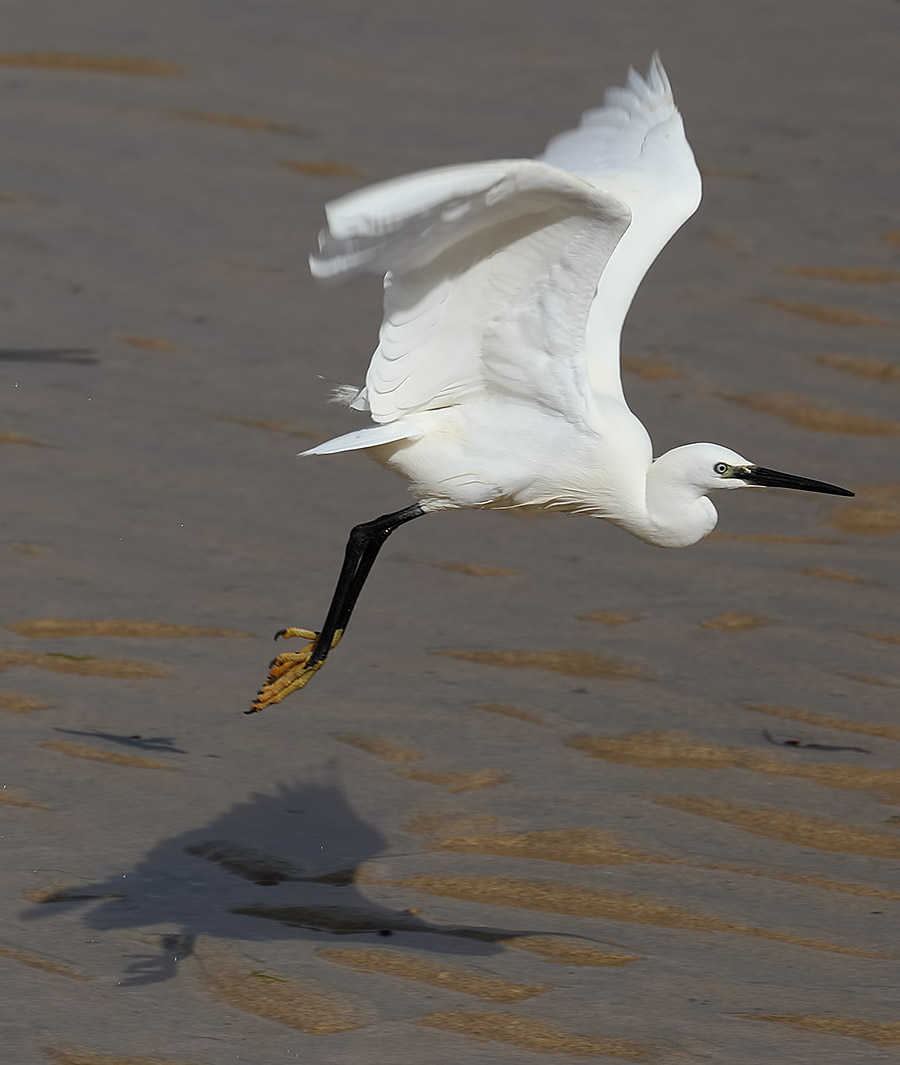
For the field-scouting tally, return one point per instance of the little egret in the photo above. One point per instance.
(496, 380)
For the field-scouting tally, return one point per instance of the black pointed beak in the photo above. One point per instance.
(759, 475)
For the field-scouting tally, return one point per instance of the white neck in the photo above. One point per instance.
(678, 513)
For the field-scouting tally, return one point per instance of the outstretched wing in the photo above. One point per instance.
(634, 147)
(515, 276)
(490, 269)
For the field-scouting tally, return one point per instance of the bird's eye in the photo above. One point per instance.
(720, 468)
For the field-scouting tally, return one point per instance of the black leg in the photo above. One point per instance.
(365, 542)
(293, 670)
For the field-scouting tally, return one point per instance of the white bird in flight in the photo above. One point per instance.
(496, 381)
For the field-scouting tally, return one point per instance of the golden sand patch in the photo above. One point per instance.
(866, 678)
(310, 1006)
(443, 824)
(95, 754)
(885, 637)
(244, 122)
(659, 369)
(610, 617)
(883, 1034)
(91, 64)
(83, 665)
(19, 438)
(540, 1037)
(597, 847)
(270, 425)
(813, 416)
(849, 778)
(817, 312)
(324, 168)
(832, 575)
(55, 893)
(20, 703)
(72, 893)
(854, 274)
(457, 781)
(562, 951)
(874, 512)
(725, 239)
(734, 621)
(511, 711)
(842, 724)
(677, 750)
(842, 887)
(574, 846)
(873, 369)
(55, 967)
(473, 569)
(57, 628)
(547, 896)
(436, 974)
(69, 1055)
(16, 797)
(788, 826)
(149, 343)
(656, 750)
(382, 747)
(26, 548)
(570, 663)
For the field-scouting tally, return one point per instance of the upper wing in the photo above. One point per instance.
(635, 148)
(516, 276)
(490, 270)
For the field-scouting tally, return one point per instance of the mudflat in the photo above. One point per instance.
(558, 795)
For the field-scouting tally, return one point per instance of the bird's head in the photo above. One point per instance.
(708, 466)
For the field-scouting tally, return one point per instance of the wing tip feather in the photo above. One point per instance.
(650, 89)
(657, 77)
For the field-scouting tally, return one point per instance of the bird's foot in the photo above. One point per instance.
(292, 633)
(291, 670)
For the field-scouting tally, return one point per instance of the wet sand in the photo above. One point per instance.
(558, 796)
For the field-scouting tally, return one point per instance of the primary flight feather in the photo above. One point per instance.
(496, 381)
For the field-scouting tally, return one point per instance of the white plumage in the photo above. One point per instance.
(496, 380)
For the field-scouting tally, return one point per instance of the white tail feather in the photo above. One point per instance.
(371, 436)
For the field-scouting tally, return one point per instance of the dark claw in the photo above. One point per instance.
(274, 660)
(280, 633)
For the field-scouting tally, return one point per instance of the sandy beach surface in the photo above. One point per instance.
(558, 796)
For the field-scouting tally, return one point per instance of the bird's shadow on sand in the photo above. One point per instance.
(275, 866)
